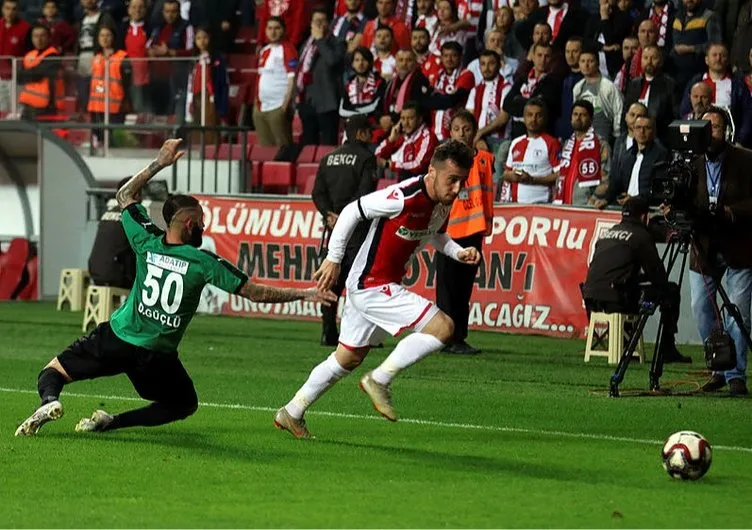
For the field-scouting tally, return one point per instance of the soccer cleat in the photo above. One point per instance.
(381, 396)
(283, 421)
(46, 413)
(98, 421)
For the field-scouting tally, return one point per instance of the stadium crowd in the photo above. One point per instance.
(571, 97)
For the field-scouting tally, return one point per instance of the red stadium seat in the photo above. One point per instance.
(210, 152)
(322, 151)
(307, 154)
(278, 175)
(259, 154)
(13, 266)
(306, 176)
(230, 152)
(240, 61)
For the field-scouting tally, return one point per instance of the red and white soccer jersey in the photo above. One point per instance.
(449, 84)
(403, 218)
(277, 64)
(486, 101)
(470, 10)
(411, 154)
(430, 65)
(385, 66)
(438, 40)
(538, 156)
(428, 22)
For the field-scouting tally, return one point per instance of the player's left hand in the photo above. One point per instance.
(323, 297)
(469, 255)
(169, 153)
(326, 275)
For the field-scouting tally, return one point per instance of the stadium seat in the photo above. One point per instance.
(307, 154)
(100, 304)
(210, 152)
(306, 177)
(72, 289)
(230, 152)
(383, 183)
(322, 151)
(241, 61)
(259, 154)
(13, 266)
(278, 175)
(613, 338)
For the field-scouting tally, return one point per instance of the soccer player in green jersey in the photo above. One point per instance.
(142, 337)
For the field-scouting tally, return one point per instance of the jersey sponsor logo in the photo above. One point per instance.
(167, 262)
(412, 235)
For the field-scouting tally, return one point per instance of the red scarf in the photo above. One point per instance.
(399, 95)
(198, 78)
(558, 18)
(445, 84)
(527, 88)
(580, 162)
(491, 111)
(661, 22)
(365, 92)
(305, 76)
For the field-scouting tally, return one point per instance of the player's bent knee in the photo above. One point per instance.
(350, 359)
(440, 326)
(55, 365)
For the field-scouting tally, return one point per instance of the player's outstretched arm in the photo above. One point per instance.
(168, 155)
(447, 246)
(257, 292)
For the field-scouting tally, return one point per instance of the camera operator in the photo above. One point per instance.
(344, 175)
(614, 277)
(722, 196)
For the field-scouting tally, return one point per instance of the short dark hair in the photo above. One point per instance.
(365, 52)
(591, 49)
(724, 115)
(37, 25)
(585, 104)
(490, 53)
(383, 27)
(413, 105)
(537, 102)
(635, 207)
(356, 124)
(321, 10)
(542, 45)
(175, 203)
(422, 29)
(466, 115)
(579, 40)
(452, 45)
(279, 20)
(456, 151)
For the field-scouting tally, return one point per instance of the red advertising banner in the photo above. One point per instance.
(528, 281)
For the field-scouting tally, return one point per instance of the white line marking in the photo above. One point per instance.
(429, 423)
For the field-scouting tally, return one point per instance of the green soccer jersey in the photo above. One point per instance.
(168, 285)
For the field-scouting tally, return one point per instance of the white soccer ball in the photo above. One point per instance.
(687, 455)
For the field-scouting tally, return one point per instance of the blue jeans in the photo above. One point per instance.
(739, 288)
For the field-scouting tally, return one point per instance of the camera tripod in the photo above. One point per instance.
(679, 244)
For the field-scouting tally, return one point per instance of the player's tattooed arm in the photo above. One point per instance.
(168, 155)
(268, 294)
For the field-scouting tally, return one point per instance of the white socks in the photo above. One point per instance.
(409, 351)
(322, 378)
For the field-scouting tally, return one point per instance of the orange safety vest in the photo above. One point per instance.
(97, 86)
(36, 94)
(472, 212)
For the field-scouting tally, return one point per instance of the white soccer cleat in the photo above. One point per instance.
(46, 413)
(284, 422)
(381, 396)
(98, 421)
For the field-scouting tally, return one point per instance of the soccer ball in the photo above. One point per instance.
(687, 455)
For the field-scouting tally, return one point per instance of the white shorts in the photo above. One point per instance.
(370, 313)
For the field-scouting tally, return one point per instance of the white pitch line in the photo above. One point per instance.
(429, 423)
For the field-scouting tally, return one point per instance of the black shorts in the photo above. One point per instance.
(156, 376)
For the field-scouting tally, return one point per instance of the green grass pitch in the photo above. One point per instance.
(511, 438)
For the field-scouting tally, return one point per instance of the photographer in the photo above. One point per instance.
(613, 279)
(722, 197)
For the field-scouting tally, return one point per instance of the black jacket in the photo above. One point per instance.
(662, 104)
(621, 254)
(548, 89)
(572, 25)
(344, 175)
(325, 90)
(619, 181)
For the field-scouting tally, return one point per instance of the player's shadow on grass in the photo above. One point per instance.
(478, 463)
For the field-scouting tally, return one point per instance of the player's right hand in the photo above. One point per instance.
(327, 275)
(326, 298)
(168, 153)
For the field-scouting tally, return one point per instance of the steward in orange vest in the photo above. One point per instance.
(470, 221)
(41, 77)
(112, 72)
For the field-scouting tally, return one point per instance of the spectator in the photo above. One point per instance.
(115, 9)
(537, 84)
(583, 173)
(505, 22)
(318, 83)
(13, 42)
(364, 92)
(110, 80)
(700, 99)
(728, 90)
(384, 61)
(542, 35)
(647, 35)
(572, 51)
(626, 140)
(606, 99)
(654, 89)
(508, 65)
(529, 173)
(89, 22)
(386, 17)
(469, 13)
(634, 175)
(272, 112)
(742, 39)
(211, 92)
(218, 19)
(292, 13)
(41, 77)
(524, 8)
(408, 85)
(450, 92)
(486, 102)
(135, 38)
(565, 20)
(449, 28)
(694, 29)
(662, 13)
(408, 149)
(172, 38)
(349, 27)
(628, 49)
(62, 34)
(429, 63)
(609, 30)
(426, 16)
